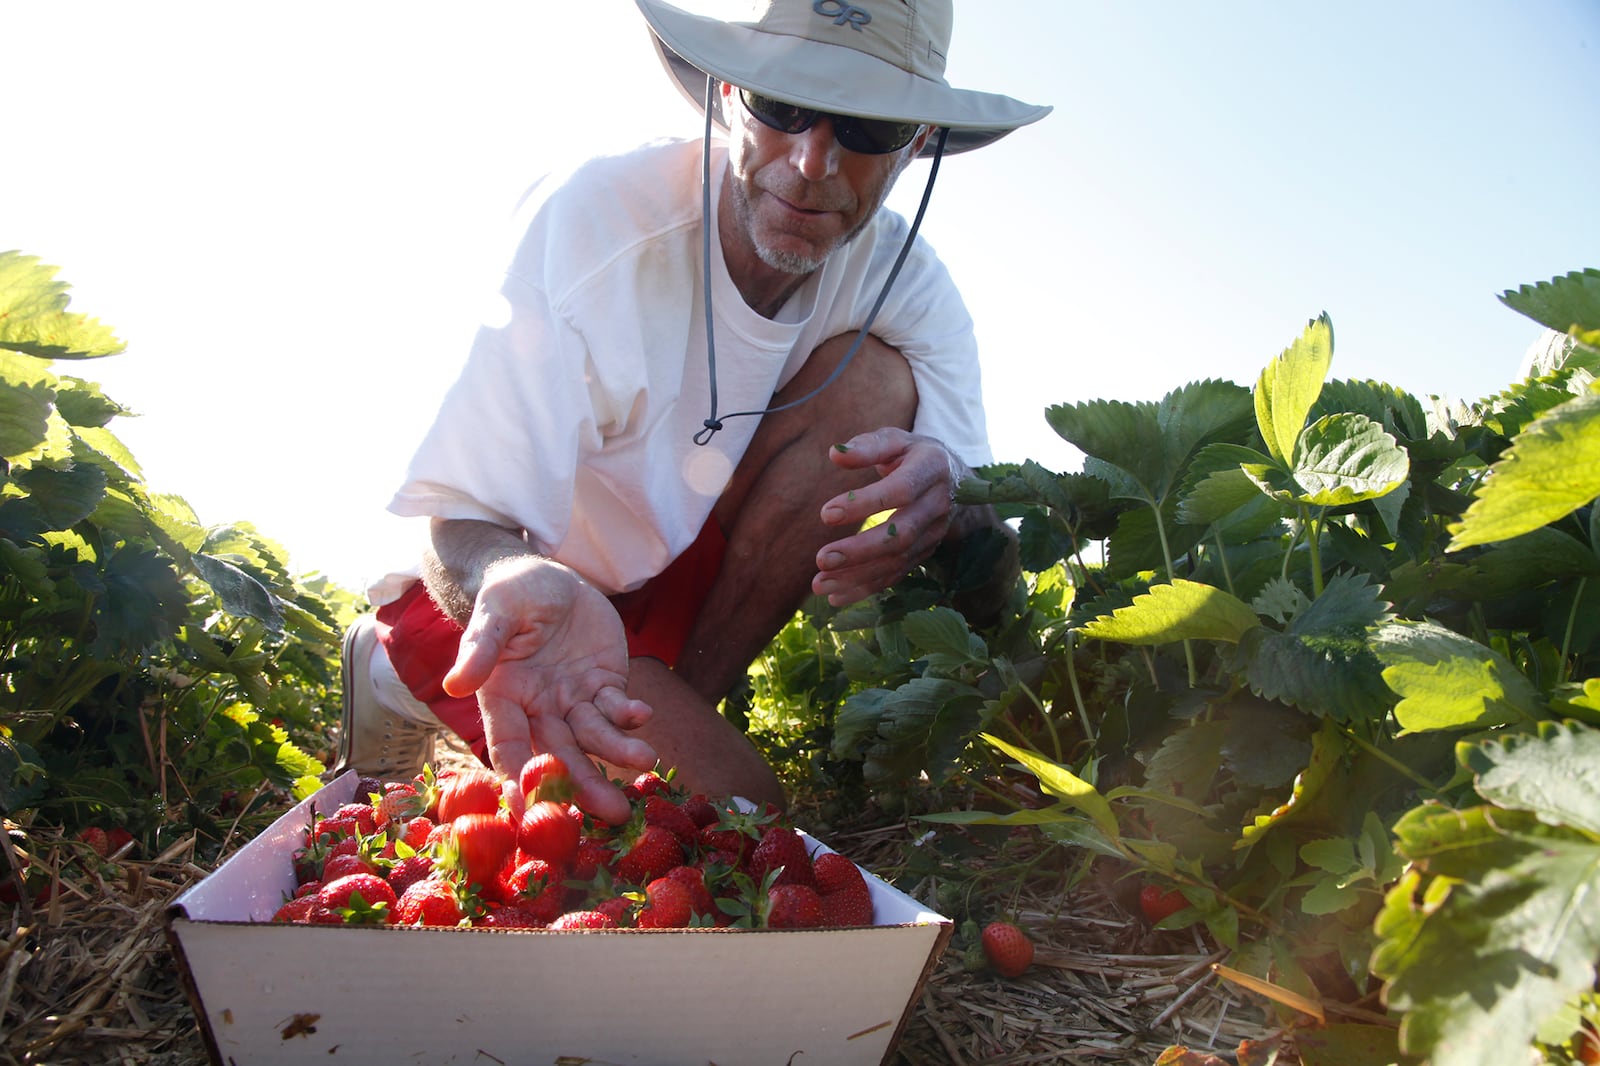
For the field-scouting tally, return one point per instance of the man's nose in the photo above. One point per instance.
(815, 152)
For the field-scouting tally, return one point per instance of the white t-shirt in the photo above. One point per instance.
(575, 421)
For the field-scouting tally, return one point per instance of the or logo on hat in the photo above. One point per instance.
(842, 14)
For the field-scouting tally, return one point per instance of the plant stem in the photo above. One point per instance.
(1222, 559)
(1389, 760)
(1314, 546)
(1566, 637)
(1077, 692)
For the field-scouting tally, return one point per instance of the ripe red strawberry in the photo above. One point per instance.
(431, 901)
(783, 847)
(118, 838)
(470, 791)
(1007, 948)
(364, 899)
(648, 783)
(583, 920)
(550, 831)
(538, 887)
(658, 810)
(793, 907)
(668, 905)
(846, 899)
(482, 843)
(693, 879)
(362, 814)
(337, 866)
(835, 873)
(592, 856)
(414, 831)
(651, 854)
(618, 909)
(399, 803)
(296, 910)
(333, 830)
(701, 810)
(97, 840)
(545, 777)
(1158, 903)
(408, 871)
(509, 916)
(850, 907)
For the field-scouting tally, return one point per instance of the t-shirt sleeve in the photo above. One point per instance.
(926, 319)
(508, 436)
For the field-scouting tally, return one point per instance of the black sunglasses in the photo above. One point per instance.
(868, 136)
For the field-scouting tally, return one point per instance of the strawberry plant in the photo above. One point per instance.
(157, 673)
(1322, 655)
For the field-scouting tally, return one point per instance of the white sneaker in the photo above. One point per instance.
(373, 740)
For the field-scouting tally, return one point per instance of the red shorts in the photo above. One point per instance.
(422, 642)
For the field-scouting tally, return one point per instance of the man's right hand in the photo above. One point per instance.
(548, 658)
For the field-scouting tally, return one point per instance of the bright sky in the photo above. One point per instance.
(290, 211)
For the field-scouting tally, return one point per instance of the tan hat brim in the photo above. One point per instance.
(826, 77)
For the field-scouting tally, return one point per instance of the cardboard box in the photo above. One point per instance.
(279, 993)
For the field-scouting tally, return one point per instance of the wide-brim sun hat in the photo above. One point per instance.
(880, 59)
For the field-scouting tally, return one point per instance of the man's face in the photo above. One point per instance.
(797, 198)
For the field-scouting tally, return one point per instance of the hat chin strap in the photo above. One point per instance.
(713, 424)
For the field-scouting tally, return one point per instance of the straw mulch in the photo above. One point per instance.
(87, 977)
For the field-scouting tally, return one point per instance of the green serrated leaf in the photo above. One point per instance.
(242, 595)
(942, 631)
(34, 318)
(1448, 681)
(1342, 459)
(1551, 469)
(1289, 385)
(1555, 773)
(1062, 783)
(27, 404)
(1479, 959)
(1565, 303)
(63, 498)
(1327, 749)
(142, 602)
(1182, 610)
(1123, 435)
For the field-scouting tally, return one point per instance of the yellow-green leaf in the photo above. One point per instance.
(1065, 785)
(1290, 384)
(1551, 469)
(1181, 610)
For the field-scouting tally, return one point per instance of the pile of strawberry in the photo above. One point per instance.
(446, 850)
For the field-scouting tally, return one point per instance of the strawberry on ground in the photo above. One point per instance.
(1158, 903)
(1007, 948)
(97, 839)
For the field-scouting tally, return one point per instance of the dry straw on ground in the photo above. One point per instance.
(87, 977)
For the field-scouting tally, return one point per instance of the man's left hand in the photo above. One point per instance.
(917, 477)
